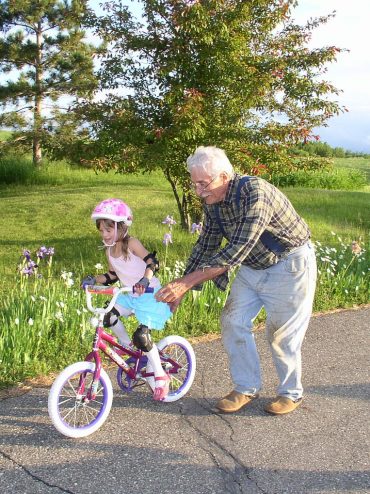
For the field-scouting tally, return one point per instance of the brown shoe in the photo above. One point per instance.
(234, 401)
(281, 405)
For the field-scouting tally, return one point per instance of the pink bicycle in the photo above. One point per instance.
(80, 398)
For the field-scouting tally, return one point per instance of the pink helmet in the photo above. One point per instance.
(113, 209)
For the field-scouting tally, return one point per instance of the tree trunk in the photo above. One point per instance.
(37, 117)
(182, 206)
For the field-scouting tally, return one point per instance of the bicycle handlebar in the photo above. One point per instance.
(108, 290)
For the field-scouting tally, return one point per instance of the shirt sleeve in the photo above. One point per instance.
(255, 214)
(206, 246)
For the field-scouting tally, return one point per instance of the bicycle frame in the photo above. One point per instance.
(108, 344)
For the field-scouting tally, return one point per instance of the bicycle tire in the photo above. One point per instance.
(180, 350)
(68, 412)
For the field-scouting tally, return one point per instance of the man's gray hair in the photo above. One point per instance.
(212, 160)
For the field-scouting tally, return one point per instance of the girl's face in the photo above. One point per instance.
(107, 233)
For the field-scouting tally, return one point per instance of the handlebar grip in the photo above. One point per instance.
(105, 290)
(110, 290)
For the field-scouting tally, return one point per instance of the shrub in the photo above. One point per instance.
(15, 170)
(341, 179)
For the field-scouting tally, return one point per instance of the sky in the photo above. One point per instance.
(351, 73)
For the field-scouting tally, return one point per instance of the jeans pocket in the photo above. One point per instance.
(295, 264)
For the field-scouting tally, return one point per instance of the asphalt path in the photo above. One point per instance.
(184, 447)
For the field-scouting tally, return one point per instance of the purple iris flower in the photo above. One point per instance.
(28, 271)
(27, 254)
(196, 228)
(167, 239)
(42, 252)
(169, 220)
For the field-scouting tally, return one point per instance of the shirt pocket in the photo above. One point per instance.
(295, 264)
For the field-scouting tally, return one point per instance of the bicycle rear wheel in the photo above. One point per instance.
(179, 350)
(71, 412)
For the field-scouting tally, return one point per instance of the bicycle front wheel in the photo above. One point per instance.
(178, 349)
(70, 410)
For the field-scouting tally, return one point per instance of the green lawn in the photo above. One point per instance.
(362, 164)
(43, 325)
(59, 215)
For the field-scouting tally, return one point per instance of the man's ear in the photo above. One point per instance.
(224, 177)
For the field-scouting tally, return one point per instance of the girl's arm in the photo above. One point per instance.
(107, 278)
(101, 279)
(137, 248)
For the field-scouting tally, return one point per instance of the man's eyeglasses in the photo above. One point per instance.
(201, 186)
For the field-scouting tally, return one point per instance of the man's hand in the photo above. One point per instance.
(172, 292)
(174, 305)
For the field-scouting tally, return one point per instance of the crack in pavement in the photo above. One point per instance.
(33, 476)
(212, 442)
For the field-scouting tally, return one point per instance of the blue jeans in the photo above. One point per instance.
(286, 291)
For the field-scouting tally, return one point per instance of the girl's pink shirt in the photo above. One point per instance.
(131, 270)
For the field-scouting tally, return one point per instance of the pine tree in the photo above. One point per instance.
(43, 44)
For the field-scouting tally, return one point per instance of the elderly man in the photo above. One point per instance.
(269, 242)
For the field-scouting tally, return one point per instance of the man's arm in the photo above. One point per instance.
(175, 290)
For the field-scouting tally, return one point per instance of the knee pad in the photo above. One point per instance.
(142, 339)
(111, 318)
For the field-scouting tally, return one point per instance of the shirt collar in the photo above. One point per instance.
(230, 190)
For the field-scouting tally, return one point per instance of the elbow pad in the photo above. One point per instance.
(152, 261)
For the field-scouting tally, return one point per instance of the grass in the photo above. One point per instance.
(362, 164)
(43, 324)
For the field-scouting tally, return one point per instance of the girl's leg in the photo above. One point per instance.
(160, 383)
(161, 379)
(112, 321)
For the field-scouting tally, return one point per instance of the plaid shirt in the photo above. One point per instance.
(261, 207)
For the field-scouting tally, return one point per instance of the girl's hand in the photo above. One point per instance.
(141, 285)
(88, 280)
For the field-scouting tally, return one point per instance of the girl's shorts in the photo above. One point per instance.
(146, 309)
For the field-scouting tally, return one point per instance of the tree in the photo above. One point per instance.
(231, 73)
(43, 42)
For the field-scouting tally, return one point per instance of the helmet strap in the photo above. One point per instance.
(115, 236)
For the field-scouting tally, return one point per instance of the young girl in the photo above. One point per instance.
(131, 264)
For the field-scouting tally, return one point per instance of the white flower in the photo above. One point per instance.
(16, 321)
(333, 233)
(30, 321)
(59, 316)
(33, 298)
(99, 266)
(78, 312)
(43, 298)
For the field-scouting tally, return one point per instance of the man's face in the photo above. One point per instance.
(211, 190)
